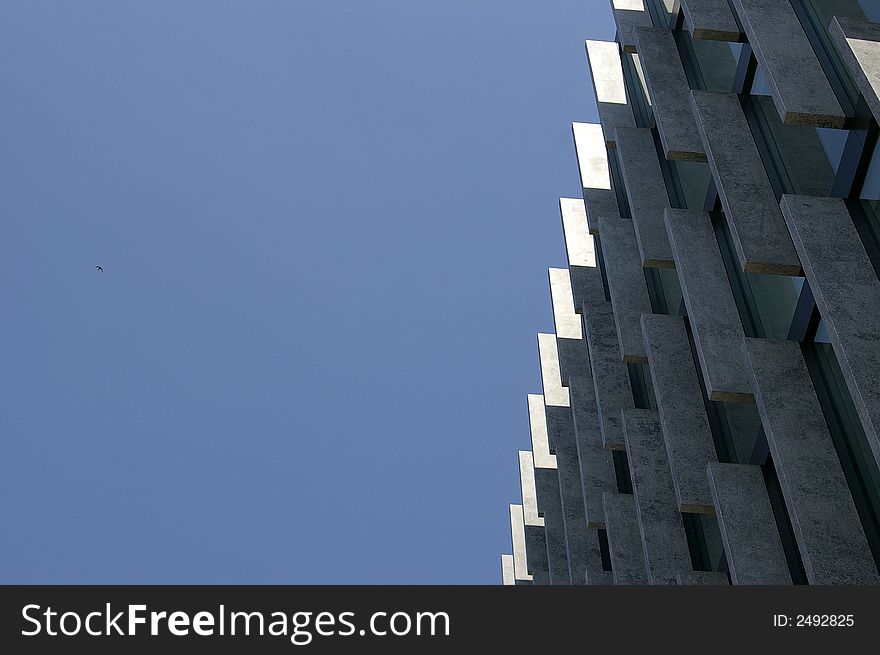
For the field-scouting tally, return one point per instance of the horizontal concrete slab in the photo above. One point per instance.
(610, 375)
(762, 242)
(797, 83)
(711, 309)
(686, 431)
(748, 529)
(858, 43)
(660, 525)
(626, 284)
(596, 462)
(823, 515)
(646, 194)
(670, 98)
(606, 73)
(710, 19)
(624, 541)
(847, 292)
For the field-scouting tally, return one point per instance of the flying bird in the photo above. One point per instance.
(99, 268)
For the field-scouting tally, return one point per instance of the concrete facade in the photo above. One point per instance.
(710, 411)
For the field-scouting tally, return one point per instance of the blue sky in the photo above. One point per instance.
(325, 228)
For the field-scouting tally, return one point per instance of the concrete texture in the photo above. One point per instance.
(660, 525)
(756, 225)
(682, 414)
(606, 73)
(551, 378)
(798, 85)
(579, 246)
(550, 505)
(580, 556)
(596, 462)
(568, 323)
(669, 94)
(628, 15)
(626, 284)
(536, 555)
(518, 540)
(646, 195)
(610, 375)
(574, 359)
(540, 438)
(599, 198)
(823, 516)
(748, 529)
(847, 292)
(858, 43)
(527, 489)
(710, 19)
(507, 578)
(710, 305)
(624, 541)
(702, 578)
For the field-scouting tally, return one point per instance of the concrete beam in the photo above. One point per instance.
(624, 541)
(686, 431)
(823, 515)
(538, 429)
(711, 20)
(669, 89)
(762, 242)
(592, 157)
(662, 532)
(610, 375)
(646, 194)
(797, 83)
(748, 528)
(711, 309)
(626, 284)
(847, 292)
(606, 73)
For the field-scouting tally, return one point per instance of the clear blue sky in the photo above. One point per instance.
(325, 228)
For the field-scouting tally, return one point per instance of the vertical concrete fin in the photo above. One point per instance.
(711, 309)
(748, 529)
(762, 242)
(797, 83)
(660, 525)
(686, 431)
(669, 88)
(823, 515)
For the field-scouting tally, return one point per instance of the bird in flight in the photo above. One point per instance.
(99, 268)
